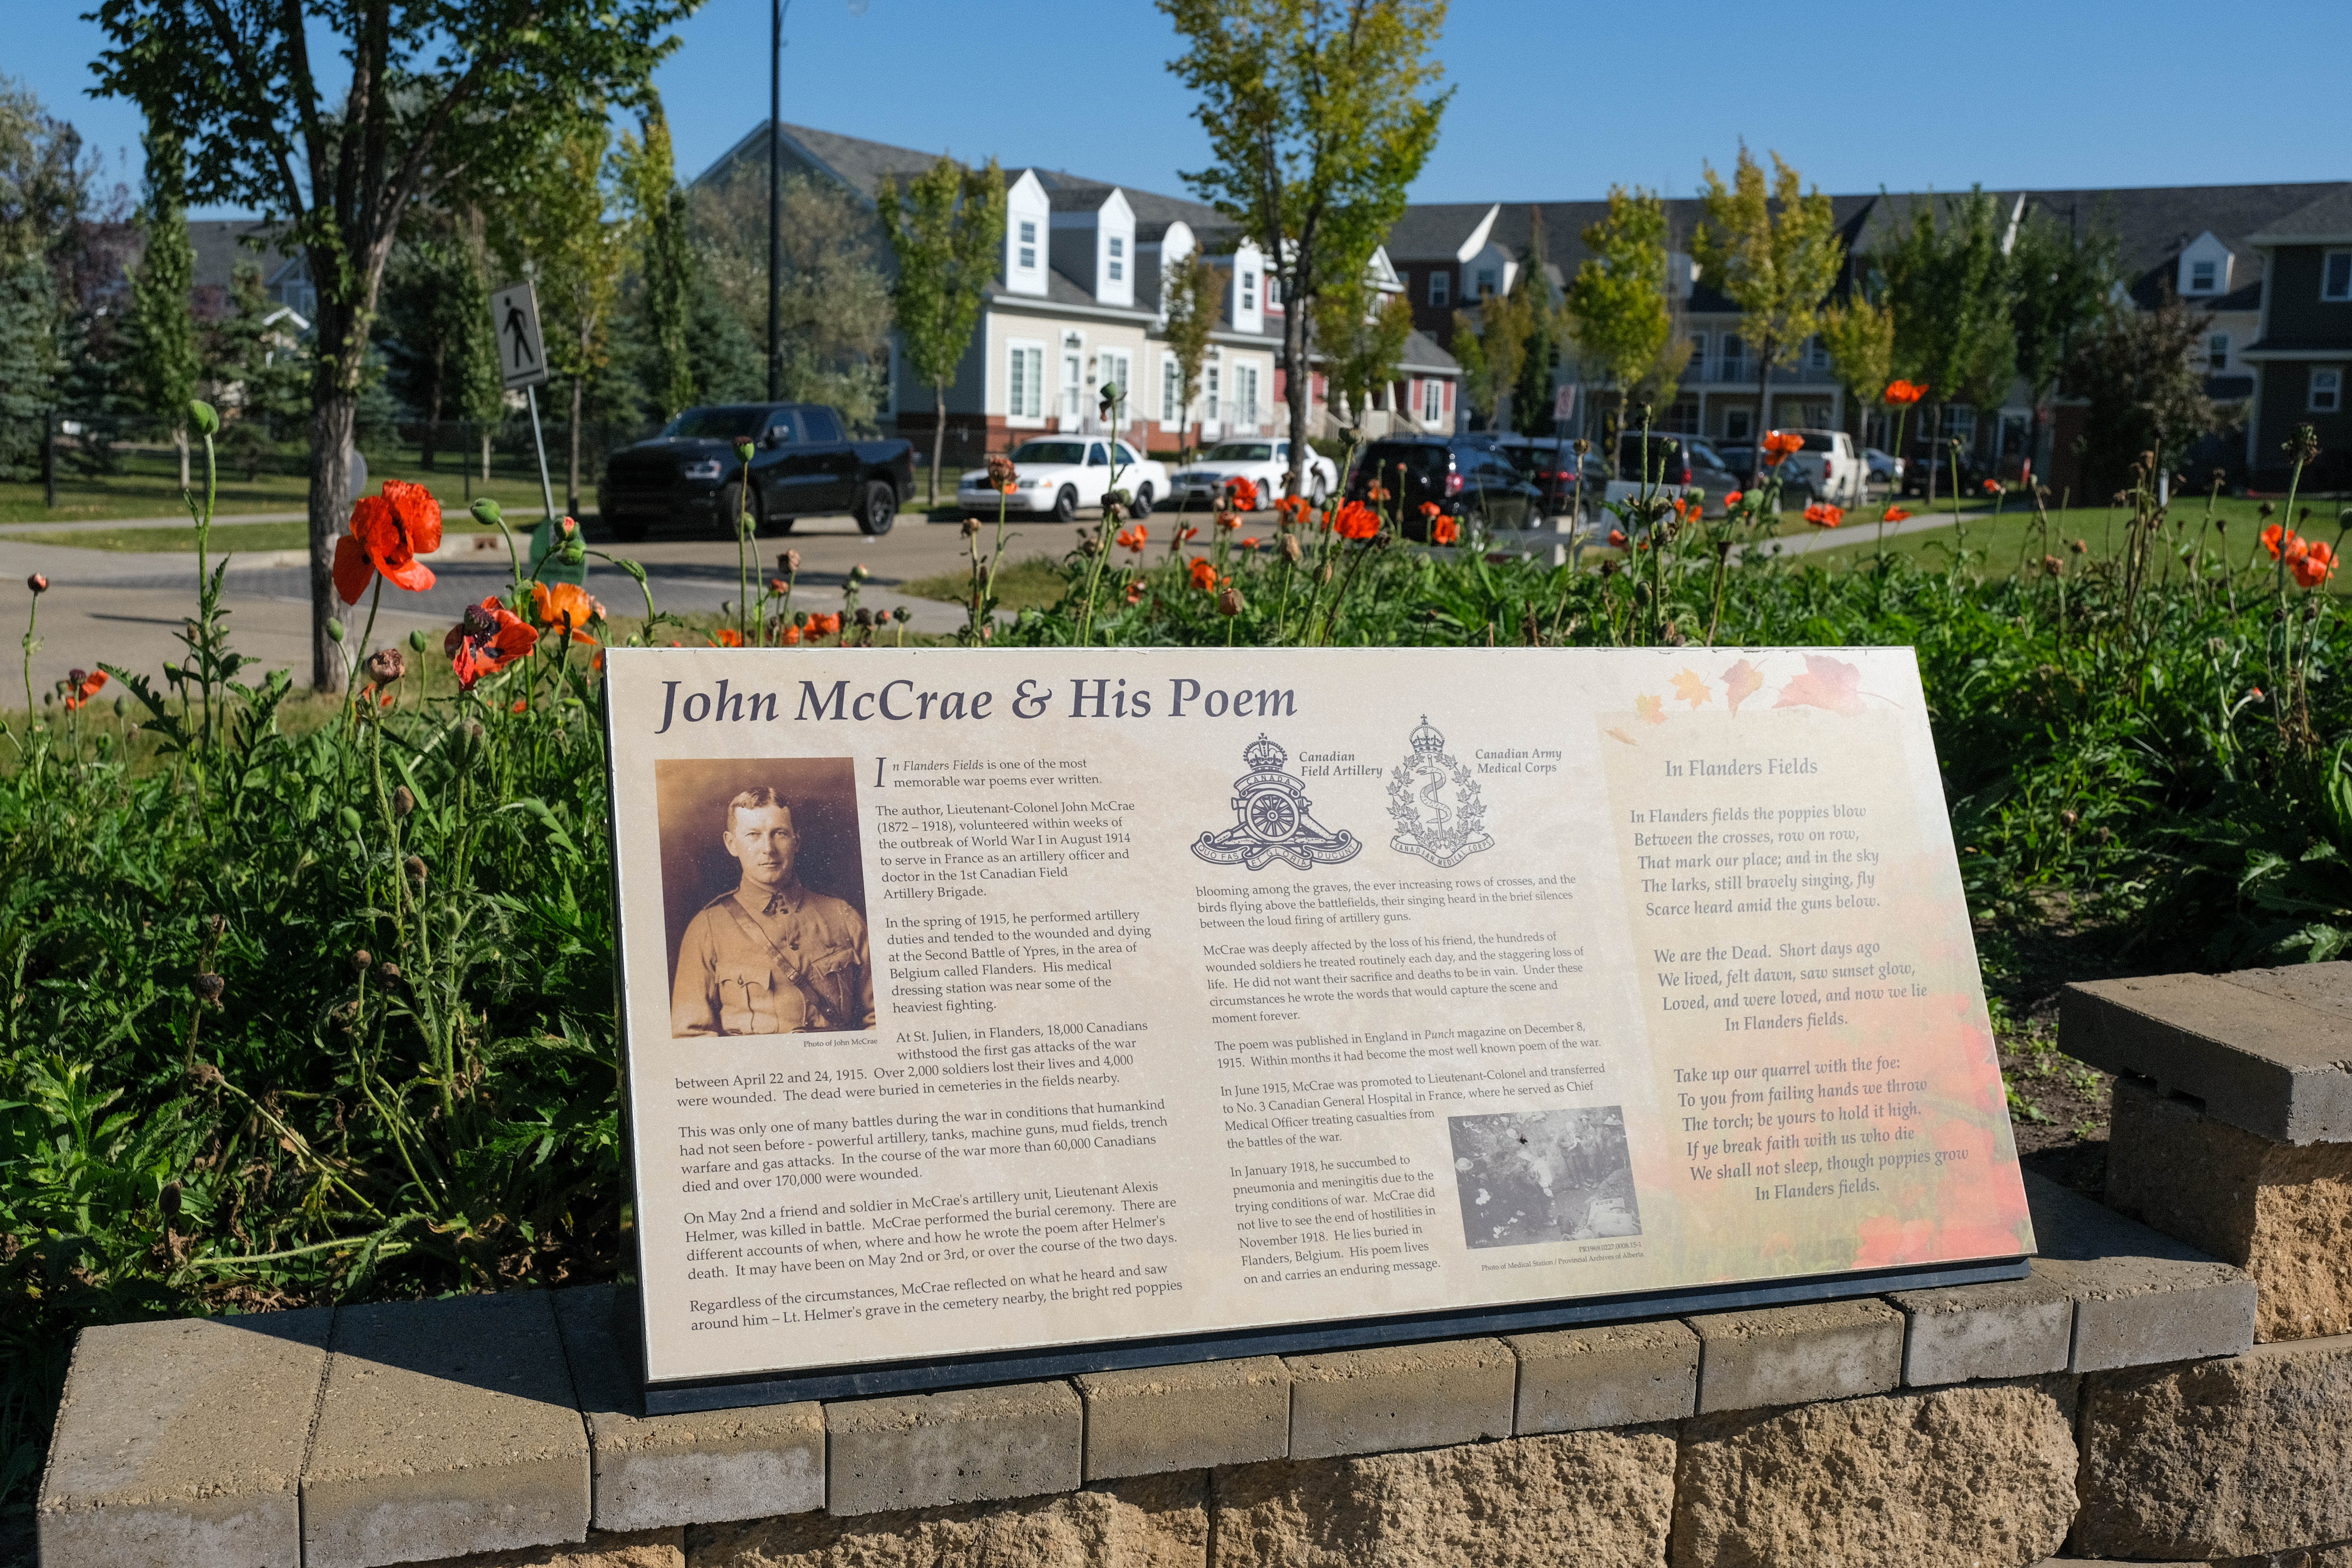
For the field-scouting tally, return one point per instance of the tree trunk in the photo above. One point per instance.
(1298, 383)
(939, 434)
(1928, 495)
(486, 452)
(334, 413)
(180, 439)
(571, 475)
(1763, 414)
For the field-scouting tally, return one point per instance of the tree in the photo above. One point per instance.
(162, 329)
(1190, 295)
(439, 93)
(1859, 338)
(665, 259)
(1617, 305)
(1949, 286)
(1531, 391)
(443, 362)
(2138, 369)
(948, 234)
(1362, 333)
(2061, 285)
(1315, 111)
(1491, 342)
(1773, 254)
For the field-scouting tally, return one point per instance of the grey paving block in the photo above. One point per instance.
(708, 1467)
(969, 1445)
(446, 1427)
(1620, 1375)
(2265, 1051)
(179, 1445)
(2140, 1297)
(2009, 1328)
(1157, 1419)
(1795, 1355)
(1392, 1398)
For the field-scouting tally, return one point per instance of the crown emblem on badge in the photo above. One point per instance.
(1272, 820)
(1442, 832)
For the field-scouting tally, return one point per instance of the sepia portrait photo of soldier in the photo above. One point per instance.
(763, 893)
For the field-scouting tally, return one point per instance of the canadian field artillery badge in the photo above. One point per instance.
(1271, 820)
(1441, 834)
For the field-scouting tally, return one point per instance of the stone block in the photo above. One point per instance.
(2009, 1328)
(1388, 1397)
(1621, 1375)
(1159, 1419)
(2251, 1048)
(179, 1445)
(699, 1469)
(444, 1428)
(968, 1445)
(1788, 1355)
(2139, 1298)
(602, 1549)
(2282, 1213)
(2230, 1458)
(1148, 1521)
(1975, 1473)
(1597, 1500)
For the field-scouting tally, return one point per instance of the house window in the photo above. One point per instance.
(1115, 370)
(1699, 353)
(1245, 395)
(2335, 275)
(1249, 292)
(1026, 399)
(1118, 258)
(1960, 421)
(1817, 353)
(2326, 392)
(1209, 394)
(1170, 414)
(1486, 281)
(1735, 360)
(1028, 245)
(1441, 286)
(1273, 291)
(1432, 402)
(2204, 276)
(2217, 350)
(1074, 387)
(1738, 425)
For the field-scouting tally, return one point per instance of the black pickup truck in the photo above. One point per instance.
(803, 465)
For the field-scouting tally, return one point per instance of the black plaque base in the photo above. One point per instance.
(1063, 1361)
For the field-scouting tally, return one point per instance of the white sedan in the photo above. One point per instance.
(1265, 464)
(1059, 474)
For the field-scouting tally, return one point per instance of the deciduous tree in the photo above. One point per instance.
(2138, 371)
(162, 326)
(1191, 292)
(1491, 342)
(948, 234)
(1362, 333)
(1617, 306)
(1321, 113)
(1950, 286)
(665, 303)
(2063, 282)
(430, 94)
(1860, 336)
(1772, 251)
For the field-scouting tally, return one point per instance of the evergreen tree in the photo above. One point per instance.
(435, 334)
(665, 259)
(29, 318)
(948, 234)
(162, 328)
(1531, 394)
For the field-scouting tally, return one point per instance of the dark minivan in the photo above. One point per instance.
(1466, 476)
(803, 465)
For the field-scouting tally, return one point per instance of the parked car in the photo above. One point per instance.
(803, 466)
(1828, 469)
(1669, 466)
(1938, 457)
(1265, 464)
(1885, 467)
(1056, 475)
(1550, 463)
(1466, 475)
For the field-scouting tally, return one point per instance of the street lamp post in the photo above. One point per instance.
(776, 198)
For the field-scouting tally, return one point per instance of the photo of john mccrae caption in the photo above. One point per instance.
(1049, 998)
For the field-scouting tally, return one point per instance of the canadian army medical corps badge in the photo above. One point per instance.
(1271, 820)
(1440, 834)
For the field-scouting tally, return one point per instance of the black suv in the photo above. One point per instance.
(803, 465)
(1467, 476)
(1551, 464)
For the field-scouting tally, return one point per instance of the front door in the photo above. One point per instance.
(1074, 391)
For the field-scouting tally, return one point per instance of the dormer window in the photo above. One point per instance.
(1118, 258)
(2204, 276)
(1028, 245)
(1273, 291)
(1441, 286)
(1249, 291)
(1486, 281)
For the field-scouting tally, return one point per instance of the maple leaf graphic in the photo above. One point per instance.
(1616, 734)
(1828, 683)
(1650, 709)
(1742, 681)
(1690, 687)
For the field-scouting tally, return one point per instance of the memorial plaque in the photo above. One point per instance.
(997, 1014)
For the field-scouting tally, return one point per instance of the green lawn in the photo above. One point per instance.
(149, 486)
(226, 537)
(2015, 537)
(1031, 584)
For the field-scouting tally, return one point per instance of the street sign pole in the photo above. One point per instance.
(522, 364)
(546, 490)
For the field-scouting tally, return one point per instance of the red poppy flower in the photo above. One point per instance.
(1733, 499)
(1228, 520)
(552, 606)
(727, 636)
(1242, 493)
(826, 624)
(1895, 514)
(2315, 565)
(1992, 487)
(1822, 515)
(1444, 530)
(2276, 539)
(1779, 444)
(82, 688)
(1252, 543)
(389, 532)
(1186, 535)
(1134, 537)
(1904, 393)
(489, 639)
(1429, 509)
(1205, 576)
(1617, 537)
(1295, 507)
(1356, 520)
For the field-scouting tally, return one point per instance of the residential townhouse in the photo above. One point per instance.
(2210, 245)
(1076, 302)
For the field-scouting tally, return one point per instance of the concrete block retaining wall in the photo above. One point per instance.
(2115, 1405)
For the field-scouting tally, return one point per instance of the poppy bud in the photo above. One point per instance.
(864, 617)
(566, 527)
(1229, 601)
(2068, 818)
(416, 870)
(76, 677)
(334, 630)
(971, 526)
(202, 418)
(789, 563)
(392, 971)
(1290, 549)
(2103, 833)
(362, 958)
(121, 706)
(386, 665)
(858, 574)
(2265, 509)
(2080, 547)
(902, 615)
(743, 450)
(209, 986)
(988, 634)
(350, 819)
(167, 1202)
(402, 802)
(2052, 565)
(488, 512)
(474, 731)
(37, 583)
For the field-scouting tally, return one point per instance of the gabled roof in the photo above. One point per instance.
(2325, 219)
(854, 161)
(1070, 193)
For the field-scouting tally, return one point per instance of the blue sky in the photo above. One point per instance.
(1558, 98)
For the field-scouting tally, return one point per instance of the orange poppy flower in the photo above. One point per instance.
(727, 636)
(1733, 499)
(2275, 539)
(1444, 530)
(1134, 537)
(1992, 487)
(1896, 514)
(2315, 565)
(389, 532)
(826, 624)
(1295, 507)
(1904, 393)
(1822, 515)
(790, 636)
(1429, 509)
(1135, 591)
(1376, 491)
(550, 605)
(1357, 520)
(1205, 576)
(1242, 493)
(1617, 537)
(81, 686)
(1779, 444)
(1252, 543)
(489, 639)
